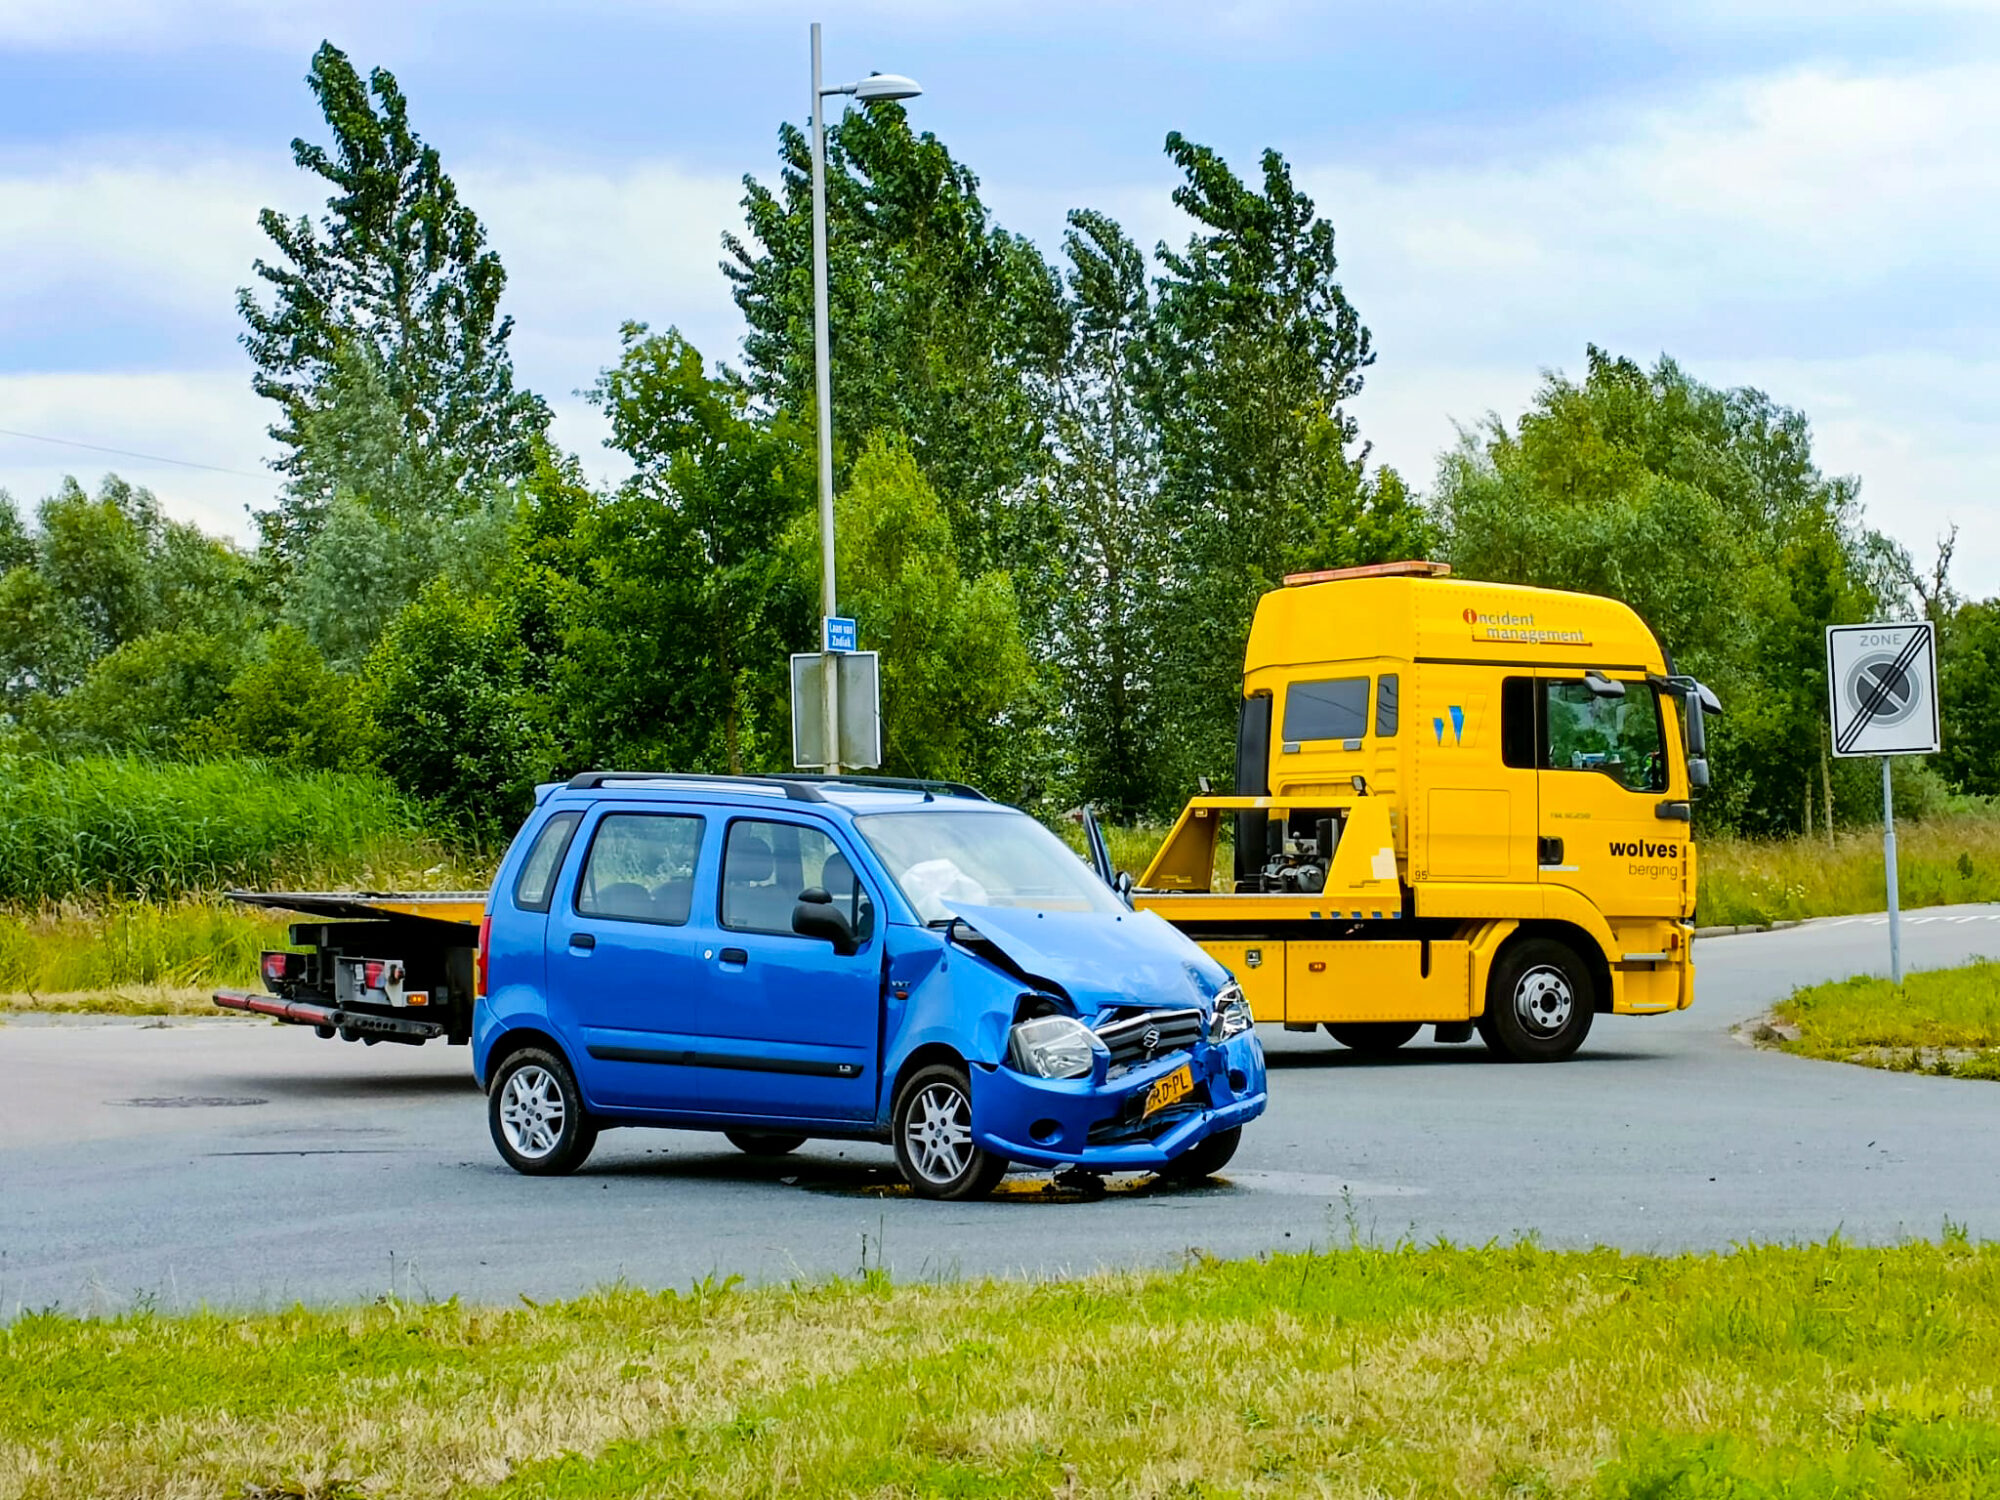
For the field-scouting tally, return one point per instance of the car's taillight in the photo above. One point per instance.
(481, 955)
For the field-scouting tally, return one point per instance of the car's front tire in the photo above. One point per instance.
(931, 1124)
(536, 1115)
(1205, 1157)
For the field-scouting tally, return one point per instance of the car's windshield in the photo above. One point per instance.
(981, 859)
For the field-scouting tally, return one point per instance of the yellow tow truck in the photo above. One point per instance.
(1457, 804)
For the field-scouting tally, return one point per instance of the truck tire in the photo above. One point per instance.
(764, 1143)
(931, 1125)
(1539, 1002)
(536, 1114)
(1374, 1038)
(1205, 1157)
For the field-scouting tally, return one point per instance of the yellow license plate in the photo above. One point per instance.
(1175, 1087)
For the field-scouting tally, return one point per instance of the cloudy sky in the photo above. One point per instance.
(1801, 197)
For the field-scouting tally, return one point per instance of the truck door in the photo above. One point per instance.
(794, 1026)
(625, 965)
(1603, 781)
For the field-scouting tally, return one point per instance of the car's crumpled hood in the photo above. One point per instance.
(1100, 958)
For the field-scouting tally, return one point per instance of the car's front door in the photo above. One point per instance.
(626, 959)
(795, 1026)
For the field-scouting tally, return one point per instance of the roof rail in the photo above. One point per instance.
(892, 783)
(792, 787)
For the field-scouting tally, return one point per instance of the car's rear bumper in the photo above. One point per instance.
(1075, 1122)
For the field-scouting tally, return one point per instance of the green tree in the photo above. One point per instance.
(1969, 690)
(150, 694)
(954, 670)
(939, 318)
(390, 304)
(1256, 351)
(1704, 511)
(446, 691)
(287, 704)
(677, 645)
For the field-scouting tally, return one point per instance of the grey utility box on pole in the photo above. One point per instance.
(859, 704)
(1882, 688)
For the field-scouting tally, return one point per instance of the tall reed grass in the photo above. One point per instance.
(109, 827)
(1940, 861)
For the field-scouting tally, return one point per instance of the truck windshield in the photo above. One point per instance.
(982, 859)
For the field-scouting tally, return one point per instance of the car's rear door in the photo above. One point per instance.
(628, 954)
(794, 1026)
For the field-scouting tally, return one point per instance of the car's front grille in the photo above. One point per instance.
(1148, 1034)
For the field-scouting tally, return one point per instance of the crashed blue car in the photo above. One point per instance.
(788, 958)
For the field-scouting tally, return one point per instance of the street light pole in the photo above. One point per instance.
(823, 419)
(876, 87)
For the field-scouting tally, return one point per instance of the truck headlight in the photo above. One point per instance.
(1053, 1047)
(1232, 1013)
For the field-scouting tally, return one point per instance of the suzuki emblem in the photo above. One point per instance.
(1151, 1039)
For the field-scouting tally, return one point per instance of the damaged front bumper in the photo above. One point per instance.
(1102, 1125)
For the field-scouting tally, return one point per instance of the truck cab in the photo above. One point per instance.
(1459, 804)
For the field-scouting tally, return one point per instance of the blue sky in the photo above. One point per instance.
(1803, 198)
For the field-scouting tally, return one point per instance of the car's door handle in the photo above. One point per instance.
(582, 940)
(735, 956)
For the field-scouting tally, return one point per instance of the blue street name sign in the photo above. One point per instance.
(838, 634)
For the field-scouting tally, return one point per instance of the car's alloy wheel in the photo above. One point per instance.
(537, 1116)
(932, 1126)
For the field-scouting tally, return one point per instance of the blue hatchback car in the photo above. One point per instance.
(785, 958)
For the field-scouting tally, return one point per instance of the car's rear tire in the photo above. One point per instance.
(931, 1125)
(1539, 1002)
(1374, 1038)
(764, 1143)
(1205, 1157)
(535, 1112)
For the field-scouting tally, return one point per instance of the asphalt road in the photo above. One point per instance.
(235, 1163)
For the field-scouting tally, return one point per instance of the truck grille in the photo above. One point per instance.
(1149, 1034)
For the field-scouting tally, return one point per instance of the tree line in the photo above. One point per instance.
(1062, 486)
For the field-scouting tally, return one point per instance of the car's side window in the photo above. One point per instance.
(641, 868)
(537, 881)
(765, 865)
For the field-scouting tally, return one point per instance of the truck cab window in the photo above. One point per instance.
(1617, 737)
(1334, 709)
(641, 868)
(1518, 737)
(1386, 693)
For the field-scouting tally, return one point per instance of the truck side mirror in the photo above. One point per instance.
(1698, 773)
(816, 916)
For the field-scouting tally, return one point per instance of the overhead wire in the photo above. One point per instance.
(156, 458)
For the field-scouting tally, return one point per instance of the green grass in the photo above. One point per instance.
(113, 827)
(1944, 1021)
(1809, 1372)
(1940, 861)
(132, 957)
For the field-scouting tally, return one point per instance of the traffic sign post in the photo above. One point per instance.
(1882, 686)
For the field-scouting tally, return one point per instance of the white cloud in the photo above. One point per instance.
(1817, 235)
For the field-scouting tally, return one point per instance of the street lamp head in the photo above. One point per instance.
(877, 87)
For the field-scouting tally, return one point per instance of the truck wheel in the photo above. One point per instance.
(762, 1143)
(1376, 1038)
(1205, 1157)
(536, 1115)
(1539, 1002)
(932, 1127)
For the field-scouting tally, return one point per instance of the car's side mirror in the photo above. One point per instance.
(816, 916)
(1123, 886)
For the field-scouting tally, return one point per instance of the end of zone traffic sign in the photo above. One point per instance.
(1882, 680)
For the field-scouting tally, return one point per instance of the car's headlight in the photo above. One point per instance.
(1053, 1047)
(1232, 1013)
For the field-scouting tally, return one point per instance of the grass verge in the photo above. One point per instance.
(1943, 1021)
(1506, 1371)
(1941, 861)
